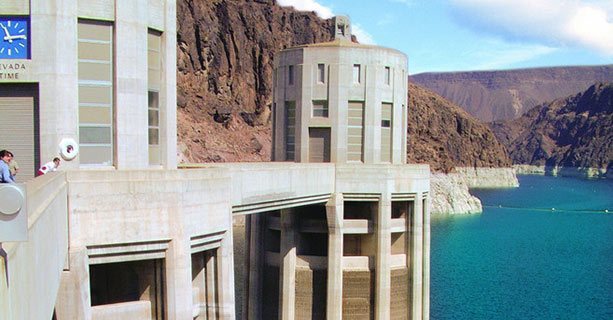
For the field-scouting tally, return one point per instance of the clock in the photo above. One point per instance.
(14, 37)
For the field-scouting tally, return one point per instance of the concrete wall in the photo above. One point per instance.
(34, 267)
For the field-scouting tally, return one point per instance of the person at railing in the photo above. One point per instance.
(5, 172)
(13, 167)
(49, 166)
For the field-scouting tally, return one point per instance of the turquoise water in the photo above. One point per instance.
(520, 259)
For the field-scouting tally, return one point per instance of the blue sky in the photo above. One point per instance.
(462, 35)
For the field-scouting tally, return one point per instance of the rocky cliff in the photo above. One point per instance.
(574, 132)
(503, 95)
(224, 80)
(444, 135)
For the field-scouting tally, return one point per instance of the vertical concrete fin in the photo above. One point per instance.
(417, 257)
(383, 258)
(287, 269)
(334, 214)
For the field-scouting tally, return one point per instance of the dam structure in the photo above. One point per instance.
(337, 225)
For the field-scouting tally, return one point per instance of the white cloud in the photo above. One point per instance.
(308, 5)
(363, 36)
(552, 22)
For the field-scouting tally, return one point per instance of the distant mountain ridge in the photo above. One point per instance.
(574, 132)
(507, 94)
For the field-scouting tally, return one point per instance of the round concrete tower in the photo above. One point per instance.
(340, 102)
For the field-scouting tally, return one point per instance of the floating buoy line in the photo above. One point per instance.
(549, 209)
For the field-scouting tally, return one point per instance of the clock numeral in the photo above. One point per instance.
(9, 52)
(22, 45)
(9, 23)
(2, 50)
(16, 50)
(16, 24)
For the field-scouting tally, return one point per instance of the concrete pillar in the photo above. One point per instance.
(287, 267)
(417, 258)
(334, 213)
(383, 258)
(131, 84)
(211, 286)
(256, 263)
(178, 270)
(168, 92)
(225, 275)
(56, 71)
(74, 297)
(199, 283)
(426, 264)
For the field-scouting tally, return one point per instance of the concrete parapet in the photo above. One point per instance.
(28, 282)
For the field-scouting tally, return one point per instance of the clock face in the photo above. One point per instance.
(14, 38)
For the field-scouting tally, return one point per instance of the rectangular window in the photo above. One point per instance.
(95, 72)
(356, 73)
(154, 49)
(320, 109)
(387, 75)
(290, 75)
(386, 132)
(290, 130)
(355, 131)
(321, 73)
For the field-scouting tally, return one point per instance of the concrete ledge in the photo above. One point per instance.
(134, 310)
(399, 225)
(312, 262)
(358, 263)
(368, 263)
(357, 226)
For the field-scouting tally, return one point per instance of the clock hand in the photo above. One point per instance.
(20, 36)
(6, 31)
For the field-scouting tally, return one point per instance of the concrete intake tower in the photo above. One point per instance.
(364, 253)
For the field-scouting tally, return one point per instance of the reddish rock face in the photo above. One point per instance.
(225, 52)
(576, 131)
(505, 95)
(444, 135)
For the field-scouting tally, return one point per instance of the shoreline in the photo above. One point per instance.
(575, 172)
(451, 191)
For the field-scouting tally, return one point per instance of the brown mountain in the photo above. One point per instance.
(575, 132)
(504, 95)
(224, 81)
(224, 77)
(444, 135)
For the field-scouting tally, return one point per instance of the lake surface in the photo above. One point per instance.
(540, 251)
